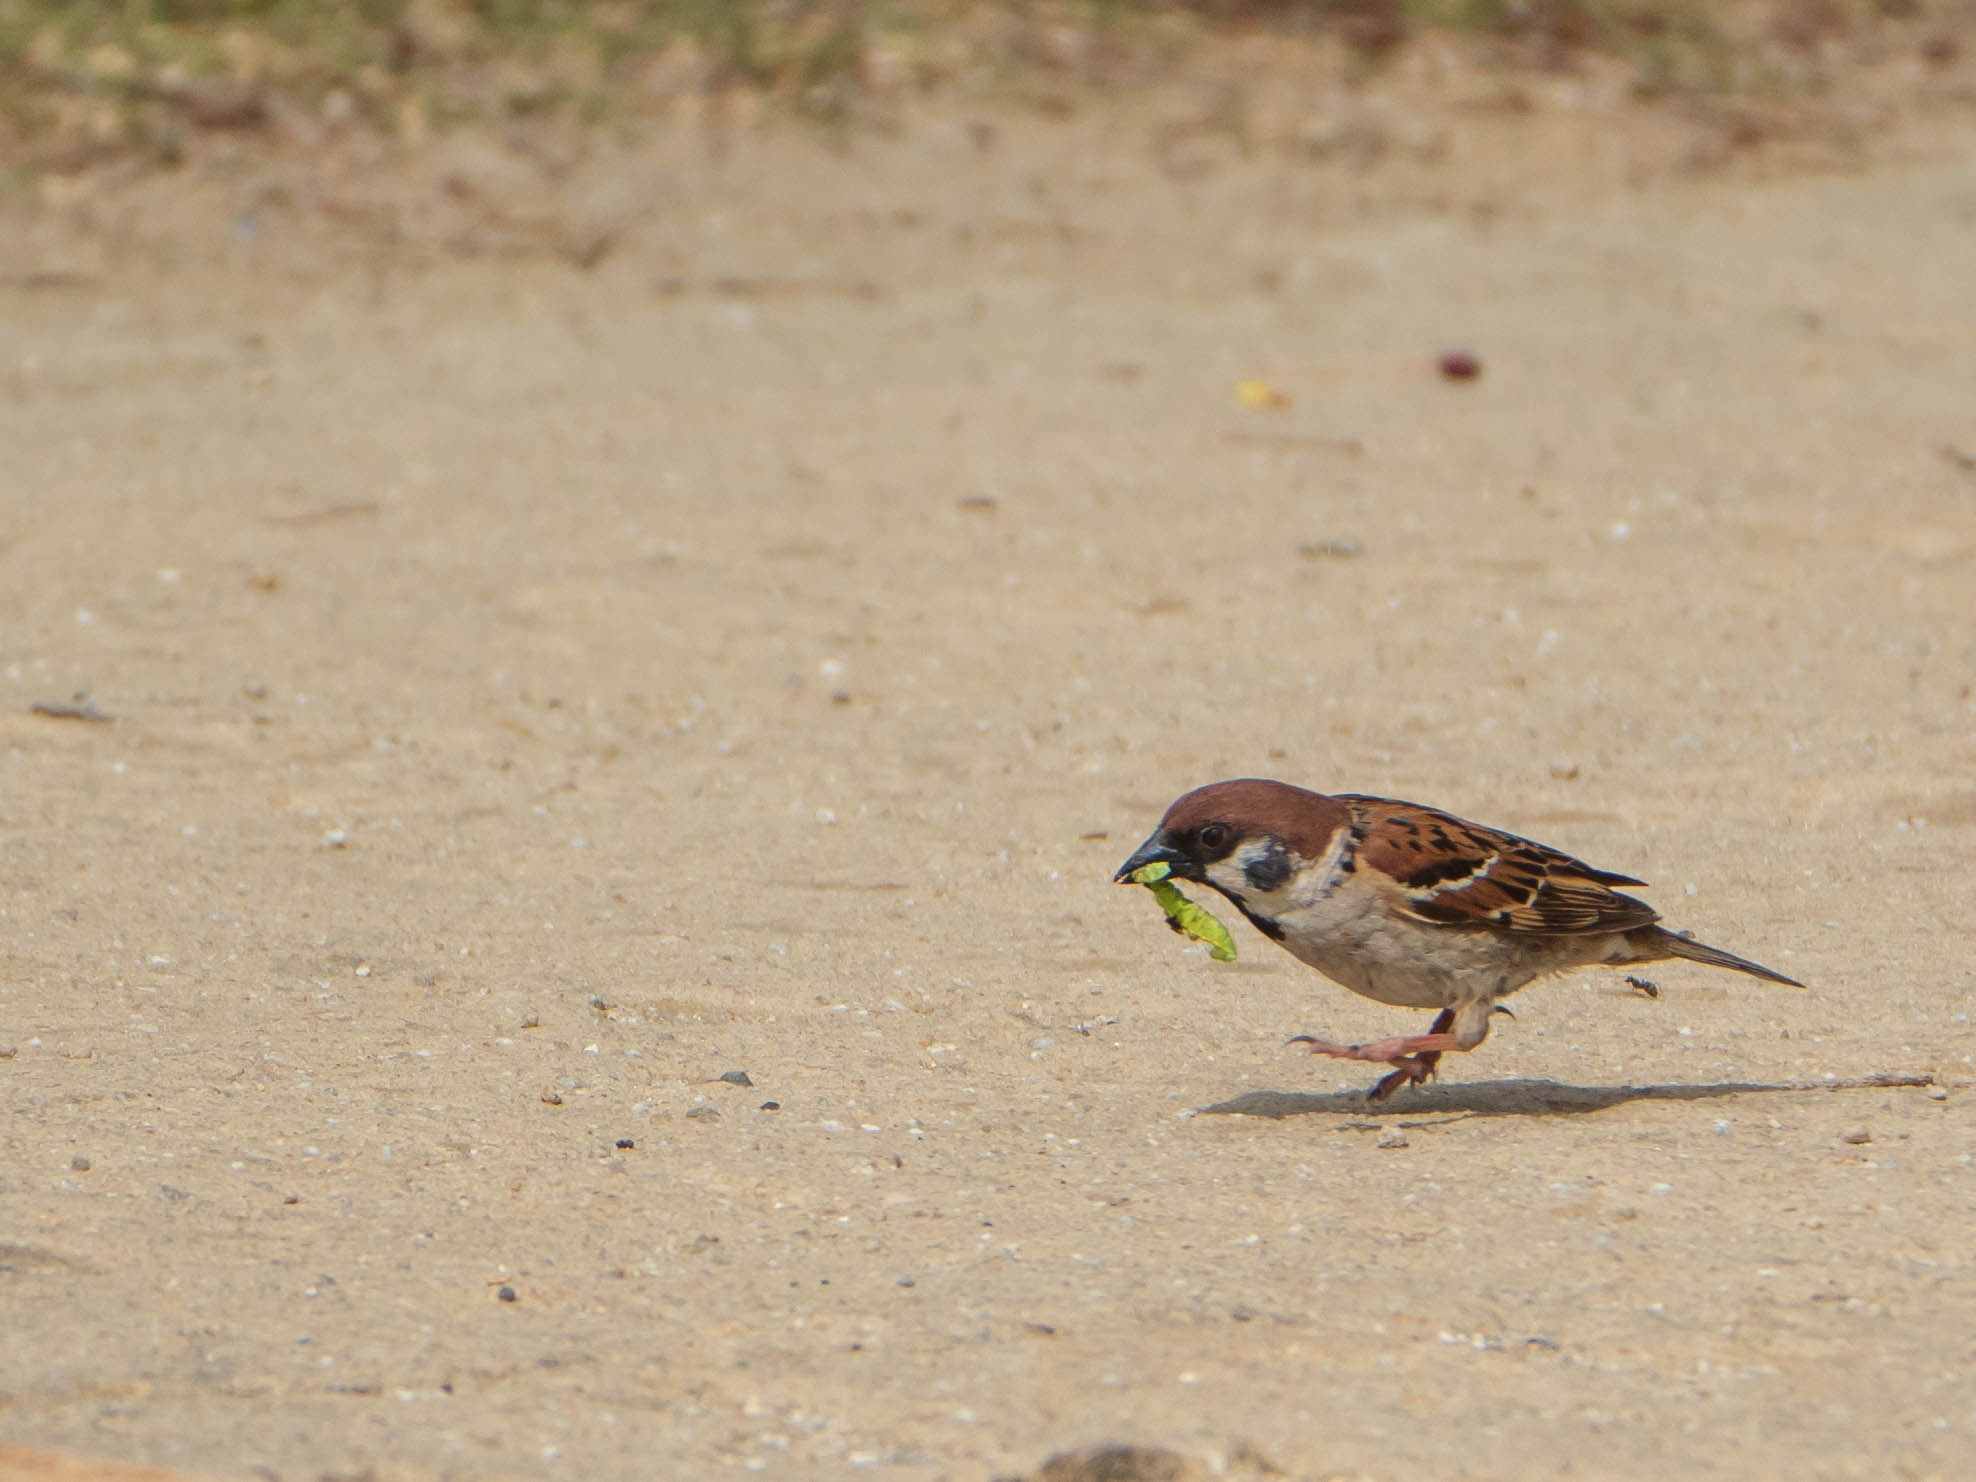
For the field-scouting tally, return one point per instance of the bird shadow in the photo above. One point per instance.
(1519, 1098)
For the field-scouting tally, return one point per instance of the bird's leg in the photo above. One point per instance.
(1400, 1047)
(1412, 1056)
(1417, 1069)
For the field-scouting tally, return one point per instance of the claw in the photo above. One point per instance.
(1415, 1070)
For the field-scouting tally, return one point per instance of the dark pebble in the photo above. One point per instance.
(736, 1077)
(1459, 365)
(506, 1294)
(625, 1142)
(771, 1106)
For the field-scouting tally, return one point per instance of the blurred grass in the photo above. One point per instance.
(85, 80)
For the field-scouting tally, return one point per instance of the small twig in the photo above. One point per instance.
(83, 708)
(1337, 550)
(1878, 1079)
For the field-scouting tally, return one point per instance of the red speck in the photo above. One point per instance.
(1459, 365)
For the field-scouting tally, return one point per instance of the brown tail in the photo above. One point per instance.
(1656, 944)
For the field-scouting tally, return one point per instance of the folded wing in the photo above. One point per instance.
(1455, 873)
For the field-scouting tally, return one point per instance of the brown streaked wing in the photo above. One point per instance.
(1456, 873)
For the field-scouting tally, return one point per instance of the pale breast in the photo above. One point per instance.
(1397, 960)
(1392, 960)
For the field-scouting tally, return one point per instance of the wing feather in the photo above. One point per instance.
(1455, 873)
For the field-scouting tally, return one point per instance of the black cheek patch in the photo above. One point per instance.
(1269, 873)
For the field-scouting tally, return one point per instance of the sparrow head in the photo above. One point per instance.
(1247, 838)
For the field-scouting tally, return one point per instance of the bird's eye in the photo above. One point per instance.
(1214, 838)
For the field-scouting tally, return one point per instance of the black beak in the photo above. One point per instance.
(1155, 851)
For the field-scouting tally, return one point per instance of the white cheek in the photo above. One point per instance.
(1226, 876)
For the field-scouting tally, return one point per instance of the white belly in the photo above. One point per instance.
(1416, 964)
(1386, 970)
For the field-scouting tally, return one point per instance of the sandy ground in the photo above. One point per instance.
(537, 693)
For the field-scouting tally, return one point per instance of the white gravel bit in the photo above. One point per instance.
(1392, 1137)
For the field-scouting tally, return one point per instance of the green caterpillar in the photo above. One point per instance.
(1182, 914)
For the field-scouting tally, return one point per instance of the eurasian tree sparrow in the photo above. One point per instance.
(1409, 905)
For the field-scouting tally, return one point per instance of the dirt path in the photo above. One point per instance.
(537, 694)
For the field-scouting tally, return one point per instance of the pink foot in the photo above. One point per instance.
(1413, 1057)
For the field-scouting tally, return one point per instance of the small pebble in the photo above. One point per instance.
(531, 1021)
(506, 1294)
(80, 1163)
(625, 1142)
(1459, 365)
(597, 1002)
(552, 1097)
(703, 1114)
(905, 1281)
(771, 1106)
(8, 1052)
(1857, 1136)
(1392, 1137)
(736, 1077)
(1938, 1093)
